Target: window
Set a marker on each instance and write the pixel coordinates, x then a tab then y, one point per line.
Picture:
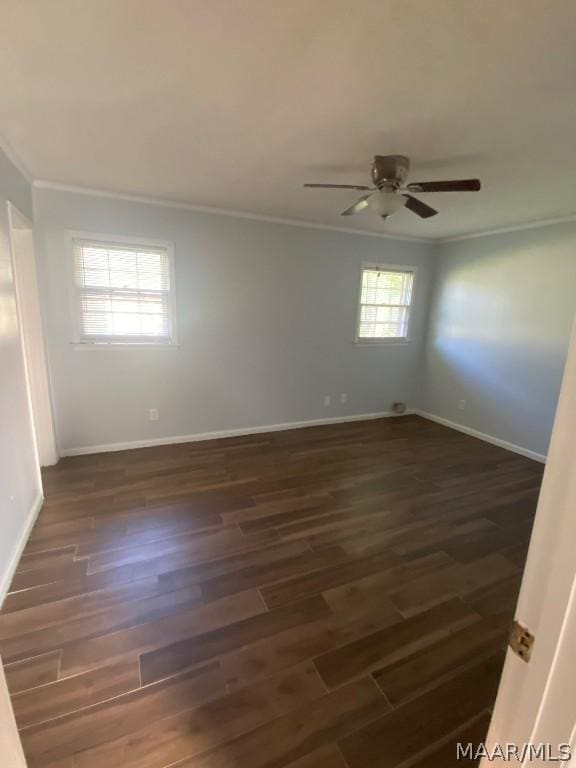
385	300
123	293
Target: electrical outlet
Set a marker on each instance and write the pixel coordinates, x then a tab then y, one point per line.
327	401
153	414
461	405
343	397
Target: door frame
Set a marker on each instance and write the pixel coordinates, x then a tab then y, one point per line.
38	386
536	702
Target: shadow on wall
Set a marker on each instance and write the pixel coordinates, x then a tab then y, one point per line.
498	336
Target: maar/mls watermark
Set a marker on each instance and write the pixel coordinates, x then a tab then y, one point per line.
519	753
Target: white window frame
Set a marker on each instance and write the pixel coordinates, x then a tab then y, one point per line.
364	340
111	239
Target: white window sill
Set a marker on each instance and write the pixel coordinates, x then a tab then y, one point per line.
86	346
381	342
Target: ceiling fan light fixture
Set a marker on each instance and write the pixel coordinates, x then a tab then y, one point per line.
385	203
389	193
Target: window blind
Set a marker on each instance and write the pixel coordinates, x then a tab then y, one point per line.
385	300
122	292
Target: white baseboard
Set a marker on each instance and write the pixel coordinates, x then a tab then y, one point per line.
8	573
216	435
483	436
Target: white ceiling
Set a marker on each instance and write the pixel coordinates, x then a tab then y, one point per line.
234	104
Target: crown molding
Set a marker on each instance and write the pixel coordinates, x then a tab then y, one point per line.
15	160
504	230
57	187
179	205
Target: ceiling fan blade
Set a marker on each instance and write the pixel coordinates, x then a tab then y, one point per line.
358	206
418	207
455	185
360	187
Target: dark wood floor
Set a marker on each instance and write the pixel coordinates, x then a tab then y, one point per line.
321	598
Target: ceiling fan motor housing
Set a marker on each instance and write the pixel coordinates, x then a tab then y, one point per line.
390	170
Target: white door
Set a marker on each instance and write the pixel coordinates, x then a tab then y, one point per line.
536	702
29	316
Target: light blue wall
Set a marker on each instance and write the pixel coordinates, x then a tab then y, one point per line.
499	327
266	322
266	317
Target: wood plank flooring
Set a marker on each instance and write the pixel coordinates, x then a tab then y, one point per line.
332	597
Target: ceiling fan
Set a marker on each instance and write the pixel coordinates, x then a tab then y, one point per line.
389	194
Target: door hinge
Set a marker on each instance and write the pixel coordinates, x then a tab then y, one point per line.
521	641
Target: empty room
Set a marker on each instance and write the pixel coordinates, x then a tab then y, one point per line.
287	385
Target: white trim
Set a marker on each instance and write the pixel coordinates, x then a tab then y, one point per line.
513	228
391	342
366	340
15	212
114	239
8	574
219	434
41	184
16	161
541	457
110	240
57	187
43	392
90	346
